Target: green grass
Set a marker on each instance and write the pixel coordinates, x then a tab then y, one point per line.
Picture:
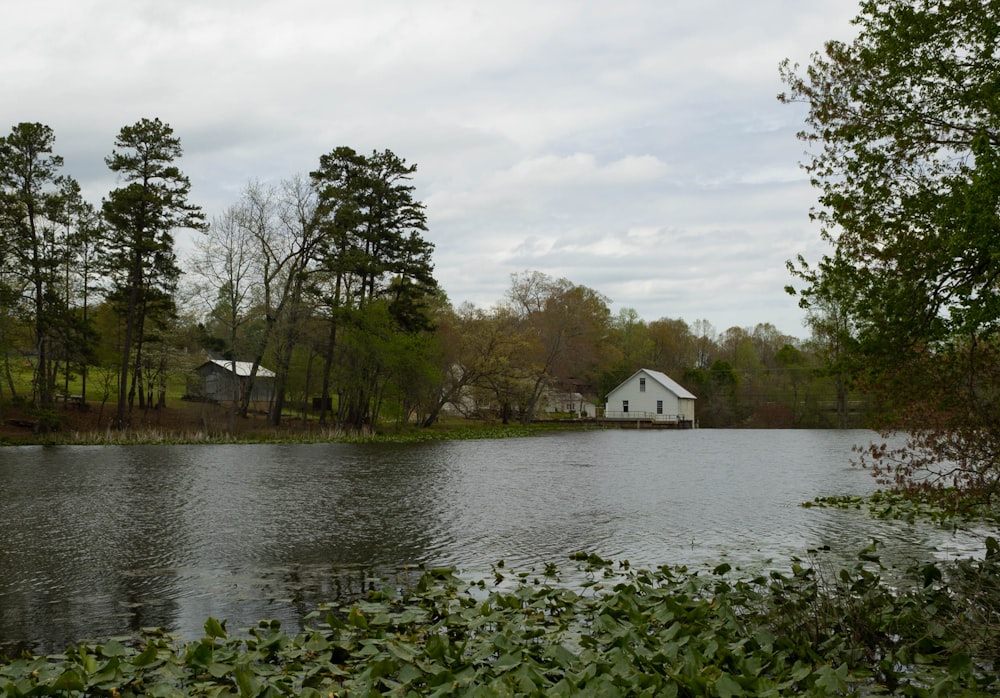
23	376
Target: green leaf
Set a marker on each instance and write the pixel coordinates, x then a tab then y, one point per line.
247	682
833	681
114	649
146	657
69	680
200	654
356	618
960	664
562	656
727	687
219	670
215	630
507	662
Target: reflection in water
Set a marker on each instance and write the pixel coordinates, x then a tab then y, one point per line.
101	541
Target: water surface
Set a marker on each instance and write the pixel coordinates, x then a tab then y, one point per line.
102	541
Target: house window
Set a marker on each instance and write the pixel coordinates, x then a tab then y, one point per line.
659	407
625	406
642	385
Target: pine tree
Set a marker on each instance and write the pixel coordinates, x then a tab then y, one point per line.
139	257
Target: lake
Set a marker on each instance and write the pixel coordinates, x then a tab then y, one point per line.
98	542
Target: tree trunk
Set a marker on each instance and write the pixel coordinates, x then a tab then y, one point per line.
123	398
327	369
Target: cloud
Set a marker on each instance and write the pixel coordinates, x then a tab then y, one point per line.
635	147
583	169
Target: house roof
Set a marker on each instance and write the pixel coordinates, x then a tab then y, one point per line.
664	380
241	368
670	384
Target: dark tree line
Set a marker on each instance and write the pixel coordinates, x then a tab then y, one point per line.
342	251
328	281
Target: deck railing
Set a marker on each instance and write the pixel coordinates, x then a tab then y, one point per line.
646	416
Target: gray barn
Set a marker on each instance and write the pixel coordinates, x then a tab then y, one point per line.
223	380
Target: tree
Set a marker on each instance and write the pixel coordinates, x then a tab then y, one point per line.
474	359
299	232
139	256
563	325
85	232
716	388
628	347
906	129
31	199
674	346
226	266
372	254
269	240
47	236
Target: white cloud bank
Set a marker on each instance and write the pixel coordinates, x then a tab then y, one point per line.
633	146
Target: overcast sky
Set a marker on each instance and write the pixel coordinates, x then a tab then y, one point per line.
632	146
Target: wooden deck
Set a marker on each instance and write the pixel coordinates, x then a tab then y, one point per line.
633	421
646	420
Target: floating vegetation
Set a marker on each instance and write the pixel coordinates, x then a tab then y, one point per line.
929	506
622	632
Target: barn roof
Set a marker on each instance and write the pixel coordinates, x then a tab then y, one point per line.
241	368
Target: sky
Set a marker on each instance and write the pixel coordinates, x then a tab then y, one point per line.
635	147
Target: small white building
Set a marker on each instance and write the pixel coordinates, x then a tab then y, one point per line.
573	403
223	380
651	395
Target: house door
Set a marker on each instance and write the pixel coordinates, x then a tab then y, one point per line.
625	406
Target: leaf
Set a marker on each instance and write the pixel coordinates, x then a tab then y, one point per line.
146	657
832	680
931	573
215	630
218	670
402	651
200	654
727	686
69	680
959	664
562	656
114	649
334	621
356	618
507	662
409	673
246	681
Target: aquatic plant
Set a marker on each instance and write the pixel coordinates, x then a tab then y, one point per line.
668	631
931	505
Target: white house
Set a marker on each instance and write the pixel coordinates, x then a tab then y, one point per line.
223	380
651	395
569	402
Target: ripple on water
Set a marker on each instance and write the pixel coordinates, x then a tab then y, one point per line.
100	541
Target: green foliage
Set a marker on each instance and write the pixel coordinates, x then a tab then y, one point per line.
627	632
930	505
35	247
373	278
138	255
907	165
327	280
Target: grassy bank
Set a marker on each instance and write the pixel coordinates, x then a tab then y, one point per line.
621	632
195	422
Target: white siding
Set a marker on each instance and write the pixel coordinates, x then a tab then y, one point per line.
642	404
